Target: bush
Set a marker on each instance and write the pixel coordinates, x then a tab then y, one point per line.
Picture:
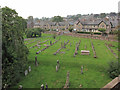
35	32
84	32
113	32
70	29
113	69
97	33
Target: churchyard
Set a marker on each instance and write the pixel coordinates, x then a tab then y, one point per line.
67	49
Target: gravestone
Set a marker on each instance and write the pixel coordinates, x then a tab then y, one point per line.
81	69
61	45
36	63
26	72
20	87
58	64
42	87
46	87
56	68
29	68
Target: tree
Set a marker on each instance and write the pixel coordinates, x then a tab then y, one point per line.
14	52
57	19
102	15
70	29
34	32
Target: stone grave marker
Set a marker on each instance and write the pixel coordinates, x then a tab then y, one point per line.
81	69
56	68
26	72
29	69
36	63
20	87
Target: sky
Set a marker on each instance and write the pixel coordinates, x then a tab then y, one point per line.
50	8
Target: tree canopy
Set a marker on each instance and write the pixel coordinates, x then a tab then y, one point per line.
14	52
57	19
34	32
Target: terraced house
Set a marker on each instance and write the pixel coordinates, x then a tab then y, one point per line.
54	25
94	25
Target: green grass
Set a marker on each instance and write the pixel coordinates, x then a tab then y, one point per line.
95	69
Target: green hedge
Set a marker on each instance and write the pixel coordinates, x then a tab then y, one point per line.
97	33
84	32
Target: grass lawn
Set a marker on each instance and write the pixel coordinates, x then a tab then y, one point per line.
94	72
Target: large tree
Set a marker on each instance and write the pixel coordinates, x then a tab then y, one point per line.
14	52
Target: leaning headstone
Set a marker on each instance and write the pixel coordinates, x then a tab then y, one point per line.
29	69
26	72
36	63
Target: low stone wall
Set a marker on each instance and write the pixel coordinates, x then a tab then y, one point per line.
112	85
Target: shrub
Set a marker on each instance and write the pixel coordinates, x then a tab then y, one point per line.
70	29
35	32
113	69
84	32
97	33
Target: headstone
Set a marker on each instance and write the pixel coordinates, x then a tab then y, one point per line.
61	45
56	68
81	69
57	61
29	68
26	72
20	87
36	63
42	87
46	87
80	86
5	86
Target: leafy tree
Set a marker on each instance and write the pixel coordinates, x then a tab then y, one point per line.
70	29
102	15
34	32
57	19
14	52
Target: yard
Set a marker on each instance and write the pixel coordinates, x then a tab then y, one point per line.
94	69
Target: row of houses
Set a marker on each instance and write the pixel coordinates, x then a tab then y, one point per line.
80	25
